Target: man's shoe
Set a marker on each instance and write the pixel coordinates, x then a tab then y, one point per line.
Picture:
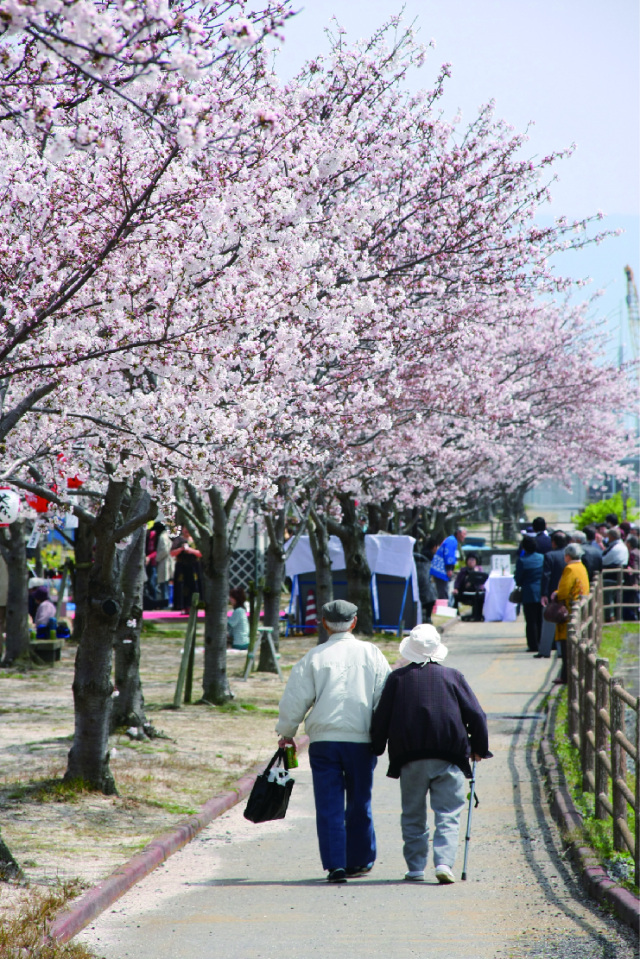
444	875
359	871
337	875
414	876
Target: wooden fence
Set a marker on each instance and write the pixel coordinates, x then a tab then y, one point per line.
597	721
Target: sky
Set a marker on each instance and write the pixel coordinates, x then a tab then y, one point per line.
569	67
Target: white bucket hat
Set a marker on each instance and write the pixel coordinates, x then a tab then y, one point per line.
423	645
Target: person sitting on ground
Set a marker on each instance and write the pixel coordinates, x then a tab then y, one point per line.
238	624
528	576
573	584
434	725
468	588
45	613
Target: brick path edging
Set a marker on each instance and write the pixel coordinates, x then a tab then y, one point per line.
594	877
100	897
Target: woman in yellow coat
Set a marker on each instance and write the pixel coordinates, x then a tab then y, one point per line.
573	584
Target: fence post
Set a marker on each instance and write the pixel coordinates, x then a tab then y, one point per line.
581	651
189	644
637	810
602	702
587	719
599	611
591	612
572	697
618	766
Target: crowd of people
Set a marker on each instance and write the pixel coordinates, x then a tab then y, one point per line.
559	567
552	566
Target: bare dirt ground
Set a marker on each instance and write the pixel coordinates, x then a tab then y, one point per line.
57	835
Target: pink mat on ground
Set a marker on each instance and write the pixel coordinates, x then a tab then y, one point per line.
168	614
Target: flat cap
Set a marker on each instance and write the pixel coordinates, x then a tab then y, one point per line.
339	611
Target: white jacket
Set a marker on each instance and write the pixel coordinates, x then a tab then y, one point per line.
341	682
616	555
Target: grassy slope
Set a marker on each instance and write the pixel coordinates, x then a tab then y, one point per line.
598	833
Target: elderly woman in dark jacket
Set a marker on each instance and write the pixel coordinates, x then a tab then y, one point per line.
528	577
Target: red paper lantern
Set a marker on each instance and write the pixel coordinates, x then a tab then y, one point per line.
38	503
73	482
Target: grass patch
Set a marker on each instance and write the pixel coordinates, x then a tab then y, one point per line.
233	707
21	935
51	790
598	833
613	641
149	628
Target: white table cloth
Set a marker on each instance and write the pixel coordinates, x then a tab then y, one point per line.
497	607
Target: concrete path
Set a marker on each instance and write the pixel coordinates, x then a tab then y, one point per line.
244	891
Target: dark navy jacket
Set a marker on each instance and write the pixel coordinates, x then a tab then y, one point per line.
529	576
552	570
428	711
543	542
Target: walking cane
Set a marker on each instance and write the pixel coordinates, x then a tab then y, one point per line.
468	836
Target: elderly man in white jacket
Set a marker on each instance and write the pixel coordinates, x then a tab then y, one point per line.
339	685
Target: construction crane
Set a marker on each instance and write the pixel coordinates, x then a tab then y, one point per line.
633	312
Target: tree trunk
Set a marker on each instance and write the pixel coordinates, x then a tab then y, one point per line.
14	552
128	705
209	526
351	536
512	512
215	585
373	518
9	868
215	576
319	542
92	688
83	552
273	580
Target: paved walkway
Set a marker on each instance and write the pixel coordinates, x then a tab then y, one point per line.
241	891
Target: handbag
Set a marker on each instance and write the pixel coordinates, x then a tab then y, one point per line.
555	612
515	596
271	791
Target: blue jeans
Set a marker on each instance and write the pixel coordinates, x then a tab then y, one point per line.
345	835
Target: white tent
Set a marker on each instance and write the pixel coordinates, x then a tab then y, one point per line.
386	555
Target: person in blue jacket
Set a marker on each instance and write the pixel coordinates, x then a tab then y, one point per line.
528	577
444	561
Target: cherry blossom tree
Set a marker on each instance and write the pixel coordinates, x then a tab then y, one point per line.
238	286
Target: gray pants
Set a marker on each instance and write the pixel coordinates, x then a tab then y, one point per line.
446	785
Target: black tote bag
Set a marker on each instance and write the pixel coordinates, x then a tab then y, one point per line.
270	797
